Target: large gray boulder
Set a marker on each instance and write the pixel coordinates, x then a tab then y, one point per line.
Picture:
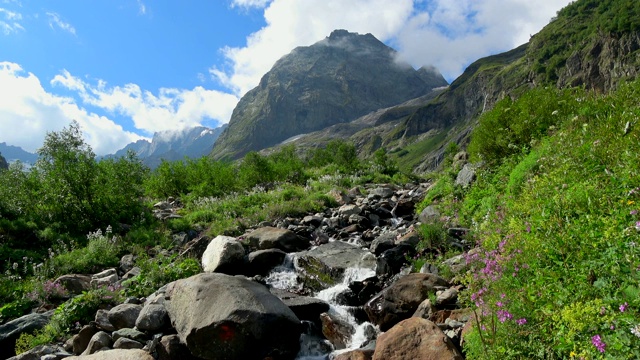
116	354
261	262
400	300
325	265
276	238
11	331
75	283
466	176
223	254
305	307
230	317
152	317
124	315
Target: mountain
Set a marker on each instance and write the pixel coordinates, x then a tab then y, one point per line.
14	153
3	162
173	145
336	80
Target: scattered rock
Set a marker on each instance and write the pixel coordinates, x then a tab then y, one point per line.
75	283
447	297
124	315
98	341
359	354
425	310
349	210
170	348
383	242
126	343
261	262
305	308
337	330
104	278
152	317
429	214
466	176
128	333
11	331
275	238
400	300
116	354
415	338
127	262
81	340
223	254
391	261
102	320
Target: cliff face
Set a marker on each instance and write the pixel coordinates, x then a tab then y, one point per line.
334	81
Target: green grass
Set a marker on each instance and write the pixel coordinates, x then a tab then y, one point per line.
557	223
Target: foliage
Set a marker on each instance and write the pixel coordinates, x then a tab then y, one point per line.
102	251
556	219
158	271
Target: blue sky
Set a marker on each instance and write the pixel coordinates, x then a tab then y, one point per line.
125	69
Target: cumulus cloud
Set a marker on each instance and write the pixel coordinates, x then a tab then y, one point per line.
56	21
446	34
170	109
10	21
24	103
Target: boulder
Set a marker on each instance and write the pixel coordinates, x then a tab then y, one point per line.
124	315
102	320
305	307
115	354
429	214
391	261
261	262
411	238
339	196
170	348
230	317
275	238
126	343
128	333
11	331
359	354
127	262
466	176
75	283
415	338
223	254
104	278
337	330
196	247
98	341
312	220
348	210
447	297
383	242
43	352
382	191
400	300
404	207
425	310
80	341
152	317
324	266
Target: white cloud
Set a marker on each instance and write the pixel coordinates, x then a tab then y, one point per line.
55	20
447	34
9	21
28	112
170	109
142	8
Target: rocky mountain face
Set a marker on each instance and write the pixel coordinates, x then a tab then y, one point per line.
15	153
3	162
174	145
334	81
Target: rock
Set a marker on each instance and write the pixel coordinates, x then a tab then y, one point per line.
127	263
339	196
196	247
98	341
359	354
125	343
124	315
305	308
415	338
11	331
229	317
429	214
42	352
104	278
152	317
382	191
102	320
425	310
391	261
261	262
325	265
75	283
275	238
466	176
171	348
348	210
411	238
337	330
456	264
429	269
116	354
135	271
404	207
128	333
81	340
400	300
447	297
223	254
313	220
383	242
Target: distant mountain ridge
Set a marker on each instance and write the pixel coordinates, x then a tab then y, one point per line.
173	145
333	81
15	153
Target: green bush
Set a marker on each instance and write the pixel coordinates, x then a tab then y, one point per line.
101	252
158	271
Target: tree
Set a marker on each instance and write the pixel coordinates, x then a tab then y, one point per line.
3	163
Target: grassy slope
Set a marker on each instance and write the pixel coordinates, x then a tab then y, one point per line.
558	227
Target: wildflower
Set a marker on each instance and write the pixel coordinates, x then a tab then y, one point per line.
572	354
633	212
596	340
638	225
499	304
504	315
623	307
521	321
603	310
636	330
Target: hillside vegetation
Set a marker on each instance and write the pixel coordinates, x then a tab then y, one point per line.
555	215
